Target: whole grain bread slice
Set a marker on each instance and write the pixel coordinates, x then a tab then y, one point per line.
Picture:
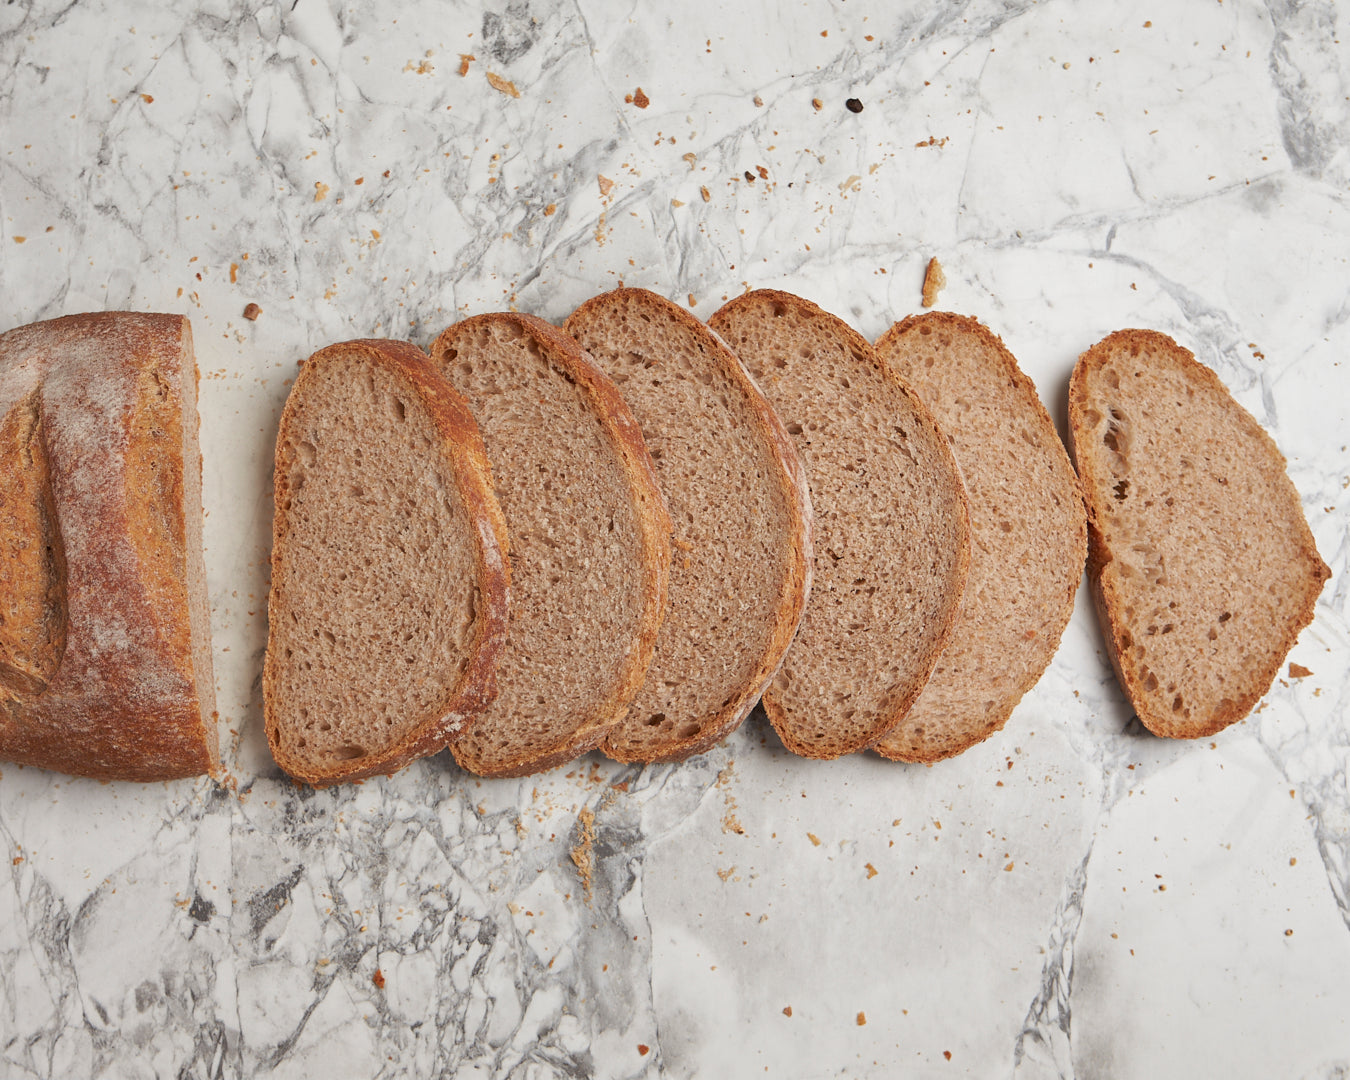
389	583
105	625
589	537
738	499
892	543
1202	565
1028	532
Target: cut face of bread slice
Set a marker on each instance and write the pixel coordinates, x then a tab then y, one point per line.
105	627
892	543
1201	562
1028	532
388	602
589	538
741	513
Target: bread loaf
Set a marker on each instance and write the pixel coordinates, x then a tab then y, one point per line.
388	603
589	540
1200	560
737	496
105	630
892	543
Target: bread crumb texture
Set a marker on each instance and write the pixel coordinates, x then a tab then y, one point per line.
1202	564
1028	529
375	608
891	533
738	579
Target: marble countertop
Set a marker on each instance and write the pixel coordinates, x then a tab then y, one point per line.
1073	898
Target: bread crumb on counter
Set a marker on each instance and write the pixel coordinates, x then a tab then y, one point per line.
504	86
934	281
583	853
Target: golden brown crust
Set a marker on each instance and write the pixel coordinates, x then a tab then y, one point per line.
653	525
1023	387
463	445
1102	576
860	347
796	497
123	704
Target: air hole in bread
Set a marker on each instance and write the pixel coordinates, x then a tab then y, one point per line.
1121	491
1176	703
307	452
400	409
349	752
1223	618
656	719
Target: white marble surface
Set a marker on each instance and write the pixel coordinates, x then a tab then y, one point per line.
1072	898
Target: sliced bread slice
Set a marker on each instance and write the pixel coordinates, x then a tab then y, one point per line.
738	498
892	544
590	540
388	602
1202	565
1028	532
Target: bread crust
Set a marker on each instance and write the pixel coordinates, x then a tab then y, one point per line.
1117	630
861	348
463	445
125	700
1020	385
653	527
796	496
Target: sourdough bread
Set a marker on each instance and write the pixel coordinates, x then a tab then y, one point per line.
737	497
589	540
892	544
105	629
1200	560
388	601
1028	532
